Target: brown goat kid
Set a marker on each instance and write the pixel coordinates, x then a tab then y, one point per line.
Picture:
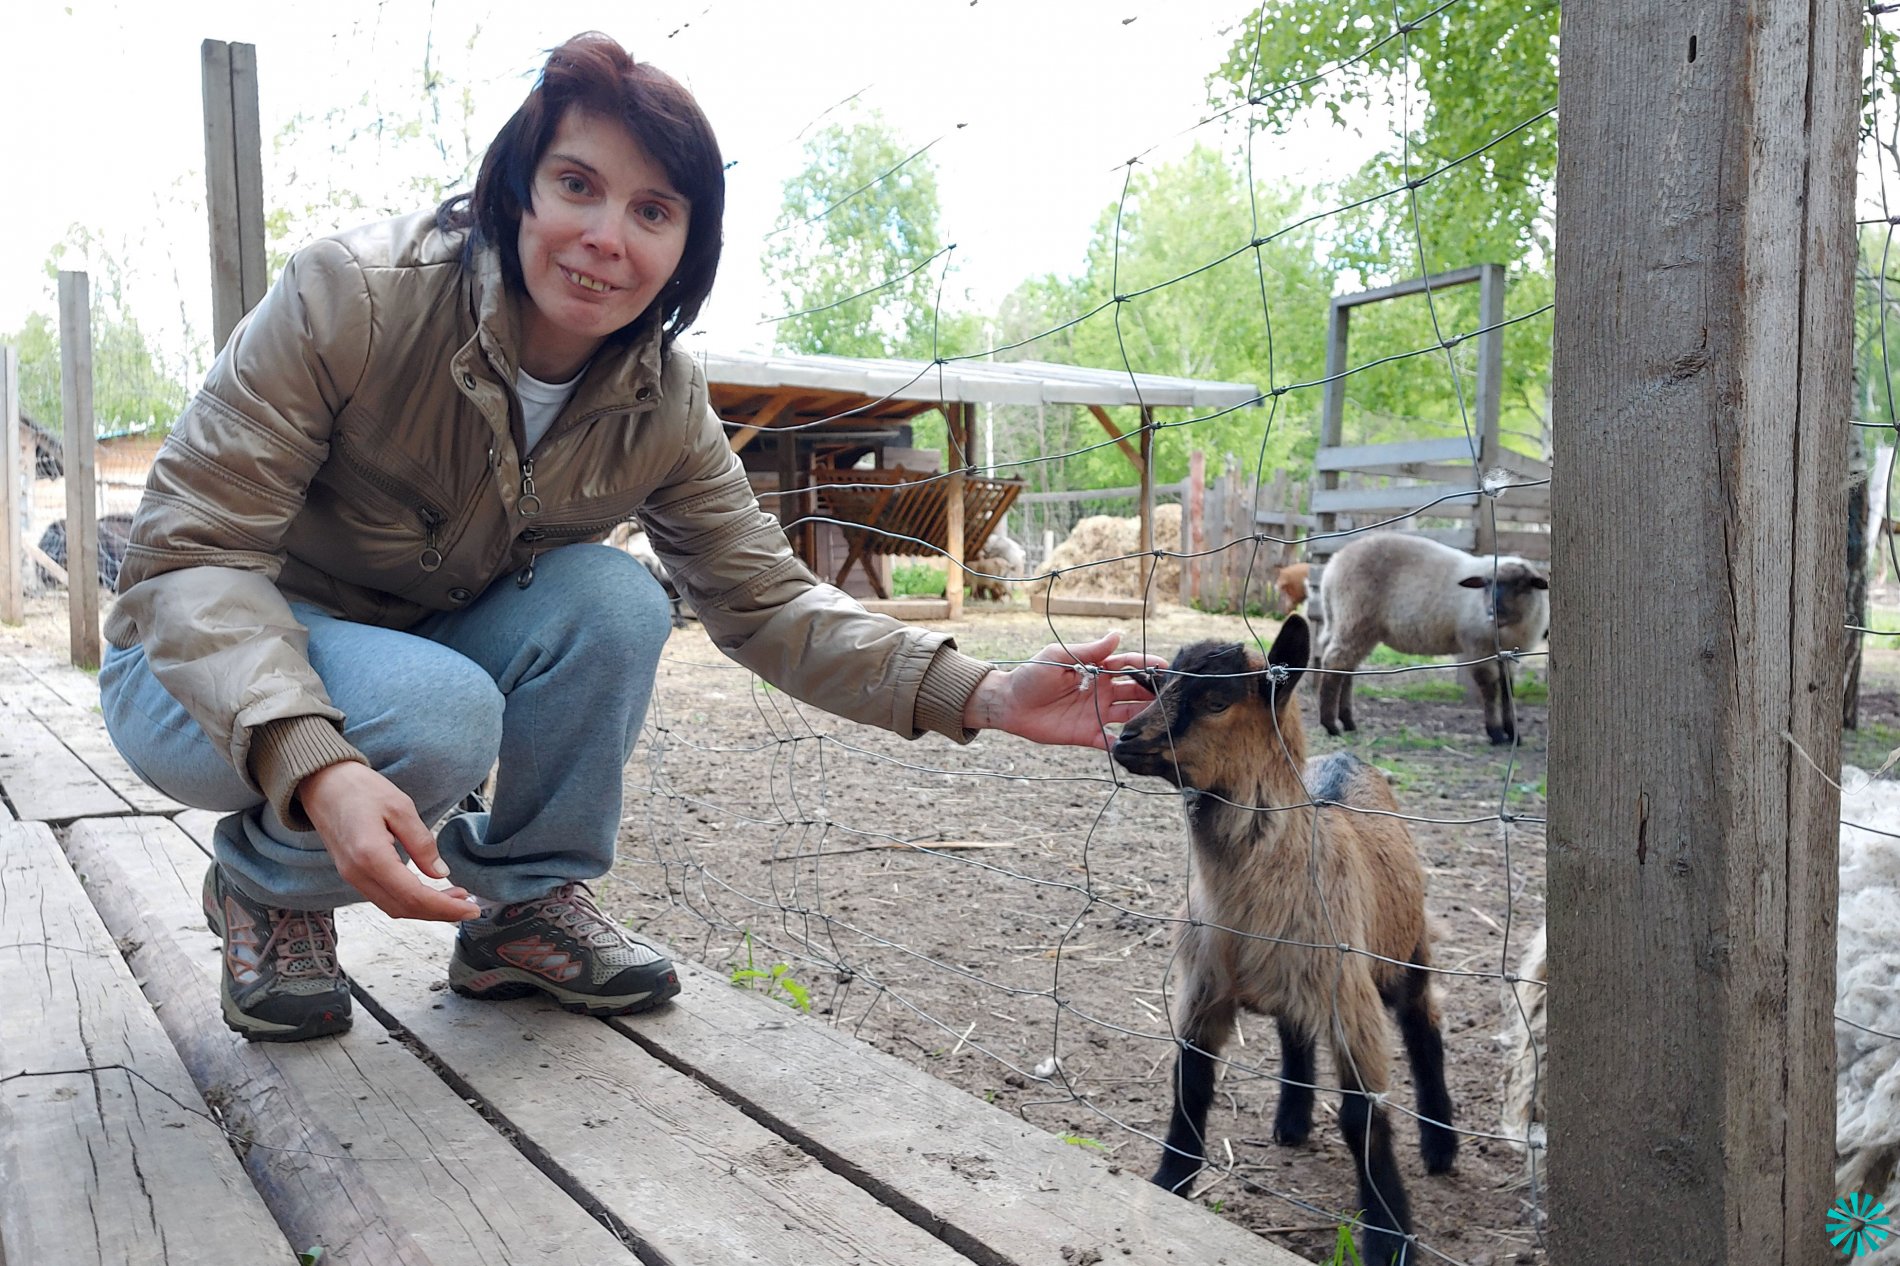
1282	871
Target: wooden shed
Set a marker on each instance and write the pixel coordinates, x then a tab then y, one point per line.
793	417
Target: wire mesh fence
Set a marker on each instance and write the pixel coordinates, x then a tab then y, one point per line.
1035	924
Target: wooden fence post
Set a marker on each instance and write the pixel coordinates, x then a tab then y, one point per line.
82	507
234	182
1193	529
1701	376
12	476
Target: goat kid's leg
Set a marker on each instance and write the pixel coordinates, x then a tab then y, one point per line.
1202	1032
1386	1213
1293	1122
1425	1046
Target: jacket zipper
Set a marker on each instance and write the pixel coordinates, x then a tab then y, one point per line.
432	518
557	532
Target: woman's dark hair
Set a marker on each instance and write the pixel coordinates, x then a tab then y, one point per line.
591	72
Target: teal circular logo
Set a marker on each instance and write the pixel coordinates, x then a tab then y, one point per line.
1858	1224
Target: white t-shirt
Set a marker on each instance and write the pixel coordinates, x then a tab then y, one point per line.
541	403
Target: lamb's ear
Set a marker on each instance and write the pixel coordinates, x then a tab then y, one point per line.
1473	582
1291	650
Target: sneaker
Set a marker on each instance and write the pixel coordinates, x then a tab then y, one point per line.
563	946
281	981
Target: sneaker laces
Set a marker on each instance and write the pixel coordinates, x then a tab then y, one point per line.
306	942
572	906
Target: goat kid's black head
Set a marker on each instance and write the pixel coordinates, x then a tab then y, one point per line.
1210	689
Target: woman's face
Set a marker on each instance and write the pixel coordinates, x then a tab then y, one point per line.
604	236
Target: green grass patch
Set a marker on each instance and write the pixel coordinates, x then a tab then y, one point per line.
1869	746
915	580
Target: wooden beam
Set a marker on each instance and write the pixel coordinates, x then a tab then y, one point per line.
768	415
1108	424
1701	377
1490	388
13	468
82	507
957	459
105	1154
234	182
1145	503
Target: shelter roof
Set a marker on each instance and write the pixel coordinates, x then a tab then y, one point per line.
857	391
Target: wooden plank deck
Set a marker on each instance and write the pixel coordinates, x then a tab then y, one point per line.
721	1129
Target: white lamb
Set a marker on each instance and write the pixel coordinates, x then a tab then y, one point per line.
1423	598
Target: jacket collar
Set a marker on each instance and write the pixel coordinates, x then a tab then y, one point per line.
624	375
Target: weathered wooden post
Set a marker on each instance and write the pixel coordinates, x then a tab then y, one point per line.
1700	383
1489	397
956	460
82	507
13	500
234	183
1194	529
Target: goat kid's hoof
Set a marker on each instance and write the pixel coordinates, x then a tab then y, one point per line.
1175	1178
1438	1149
1291	1133
1501	737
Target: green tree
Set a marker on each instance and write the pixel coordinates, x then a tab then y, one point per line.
1455	84
856	256
1464	96
136	387
1199	299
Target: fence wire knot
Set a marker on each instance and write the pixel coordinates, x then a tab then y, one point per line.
1277	674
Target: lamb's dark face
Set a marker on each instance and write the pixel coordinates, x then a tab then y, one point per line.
1518	592
1216	702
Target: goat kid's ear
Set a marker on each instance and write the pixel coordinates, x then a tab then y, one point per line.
1290	650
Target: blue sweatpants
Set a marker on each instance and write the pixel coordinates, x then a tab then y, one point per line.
552	681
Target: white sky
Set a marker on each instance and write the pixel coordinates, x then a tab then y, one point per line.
102	99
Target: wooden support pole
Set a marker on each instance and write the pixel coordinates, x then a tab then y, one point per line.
1115	433
13	488
234	182
1489	402
1332	426
957	460
1193	528
1701	377
82	507
1145	505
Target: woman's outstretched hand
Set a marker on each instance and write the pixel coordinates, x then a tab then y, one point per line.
361	816
1049	701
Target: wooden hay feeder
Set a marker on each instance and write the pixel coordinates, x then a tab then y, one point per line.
906	514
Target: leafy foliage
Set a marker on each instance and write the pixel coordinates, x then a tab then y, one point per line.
856	253
136	388
1453	84
1197	299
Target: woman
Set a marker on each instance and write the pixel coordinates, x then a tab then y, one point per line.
362	573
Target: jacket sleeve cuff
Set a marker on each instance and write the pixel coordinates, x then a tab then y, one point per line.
288	750
945	691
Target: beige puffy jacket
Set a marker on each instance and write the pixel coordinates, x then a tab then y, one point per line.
357	446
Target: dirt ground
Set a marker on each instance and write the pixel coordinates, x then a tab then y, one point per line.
1035	923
